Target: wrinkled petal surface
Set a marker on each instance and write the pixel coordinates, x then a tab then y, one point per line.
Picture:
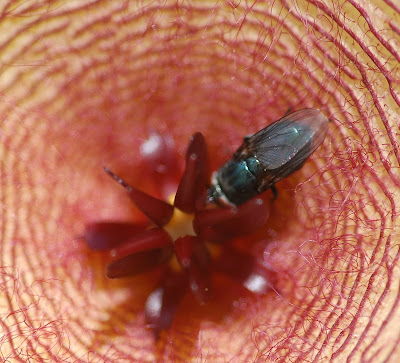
83	82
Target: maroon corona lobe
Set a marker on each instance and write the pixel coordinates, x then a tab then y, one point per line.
136	248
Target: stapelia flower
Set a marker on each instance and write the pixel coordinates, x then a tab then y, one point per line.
84	84
137	249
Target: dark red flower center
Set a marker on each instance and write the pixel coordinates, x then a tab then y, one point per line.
189	239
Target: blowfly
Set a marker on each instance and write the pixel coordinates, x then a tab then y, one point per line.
268	156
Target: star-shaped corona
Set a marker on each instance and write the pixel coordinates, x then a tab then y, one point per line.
189	238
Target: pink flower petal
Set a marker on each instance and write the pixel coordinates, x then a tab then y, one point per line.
195	176
222	224
107	235
147	240
138	263
184	249
163	302
158	211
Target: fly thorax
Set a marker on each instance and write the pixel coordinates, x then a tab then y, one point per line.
237	179
254	166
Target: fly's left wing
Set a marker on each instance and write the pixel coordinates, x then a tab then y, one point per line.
282	147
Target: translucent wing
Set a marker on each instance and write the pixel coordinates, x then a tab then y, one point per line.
284	146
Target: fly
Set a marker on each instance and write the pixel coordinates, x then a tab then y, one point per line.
268	156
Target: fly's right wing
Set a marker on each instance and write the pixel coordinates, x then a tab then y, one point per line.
284	146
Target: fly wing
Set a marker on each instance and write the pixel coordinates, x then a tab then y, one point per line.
284	146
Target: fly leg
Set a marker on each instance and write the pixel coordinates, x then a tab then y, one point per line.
274	191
